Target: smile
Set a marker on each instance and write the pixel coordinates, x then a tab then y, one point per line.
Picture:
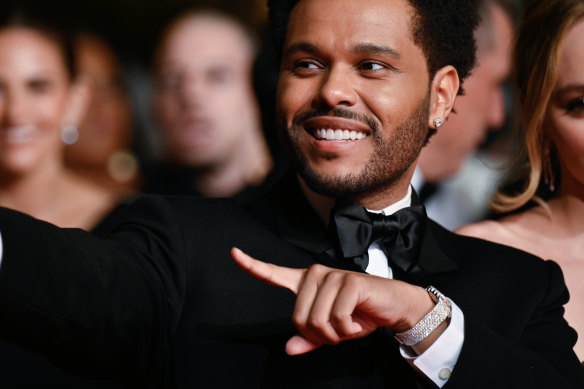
338	135
20	134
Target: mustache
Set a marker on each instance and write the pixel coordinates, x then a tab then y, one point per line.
336	112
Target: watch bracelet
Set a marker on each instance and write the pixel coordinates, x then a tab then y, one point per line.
441	311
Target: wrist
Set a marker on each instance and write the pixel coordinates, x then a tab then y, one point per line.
436	318
420	305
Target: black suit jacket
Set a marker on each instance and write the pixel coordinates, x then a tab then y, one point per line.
160	303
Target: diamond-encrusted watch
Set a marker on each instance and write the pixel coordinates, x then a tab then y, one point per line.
441	311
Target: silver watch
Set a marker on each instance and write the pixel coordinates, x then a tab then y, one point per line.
441	311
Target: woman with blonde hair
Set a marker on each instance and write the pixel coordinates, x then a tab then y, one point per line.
545	190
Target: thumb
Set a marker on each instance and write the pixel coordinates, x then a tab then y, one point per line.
298	344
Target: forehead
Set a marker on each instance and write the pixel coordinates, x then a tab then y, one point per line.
28	50
374	21
200	39
572	56
95	57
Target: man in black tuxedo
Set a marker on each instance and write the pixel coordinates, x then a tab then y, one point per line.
160	303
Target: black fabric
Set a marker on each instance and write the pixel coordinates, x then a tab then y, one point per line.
159	303
21	368
399	235
427	191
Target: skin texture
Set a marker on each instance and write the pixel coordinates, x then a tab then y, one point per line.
358	59
34	89
205	103
107	125
37	97
371	68
480	110
557	232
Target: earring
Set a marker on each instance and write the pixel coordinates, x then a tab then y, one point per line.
437	122
70	134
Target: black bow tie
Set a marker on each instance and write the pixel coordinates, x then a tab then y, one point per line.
353	229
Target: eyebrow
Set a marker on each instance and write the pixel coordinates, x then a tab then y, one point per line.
363	48
569	88
372	48
301	47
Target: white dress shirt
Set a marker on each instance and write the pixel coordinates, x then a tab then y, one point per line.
438	361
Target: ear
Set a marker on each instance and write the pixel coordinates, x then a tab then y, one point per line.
80	94
443	93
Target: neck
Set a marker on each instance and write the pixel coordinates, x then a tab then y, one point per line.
247	167
567	207
32	192
118	173
374	200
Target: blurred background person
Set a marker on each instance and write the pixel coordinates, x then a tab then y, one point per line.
40	101
41	104
102	151
545	187
210	122
481	109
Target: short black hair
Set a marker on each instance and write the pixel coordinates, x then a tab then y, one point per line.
443	29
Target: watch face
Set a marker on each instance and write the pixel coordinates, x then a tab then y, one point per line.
435	294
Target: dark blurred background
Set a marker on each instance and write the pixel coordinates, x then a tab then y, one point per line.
133	26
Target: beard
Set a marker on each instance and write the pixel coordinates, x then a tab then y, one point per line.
390	158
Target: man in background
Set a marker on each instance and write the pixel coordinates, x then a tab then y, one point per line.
210	122
481	109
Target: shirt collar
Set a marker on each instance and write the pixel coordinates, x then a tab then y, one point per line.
405	202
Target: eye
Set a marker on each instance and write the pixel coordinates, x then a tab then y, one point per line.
170	83
39	86
375	69
372	66
219	75
306	67
576	105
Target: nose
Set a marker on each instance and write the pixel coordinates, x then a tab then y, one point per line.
191	93
12	108
337	89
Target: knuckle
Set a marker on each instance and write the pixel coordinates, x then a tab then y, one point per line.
352	280
334	276
316	322
298	322
316	270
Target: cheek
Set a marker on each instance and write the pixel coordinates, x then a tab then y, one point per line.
292	98
386	107
568	136
571	139
51	113
167	108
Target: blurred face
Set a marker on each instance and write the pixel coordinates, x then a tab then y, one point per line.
353	95
106	126
204	97
565	116
34	88
482	107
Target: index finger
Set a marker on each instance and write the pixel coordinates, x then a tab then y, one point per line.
283	277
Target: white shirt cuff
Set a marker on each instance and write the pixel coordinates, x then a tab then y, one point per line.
438	361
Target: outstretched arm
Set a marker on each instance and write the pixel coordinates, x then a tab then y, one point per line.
335	305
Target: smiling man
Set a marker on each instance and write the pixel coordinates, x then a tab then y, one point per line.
381	295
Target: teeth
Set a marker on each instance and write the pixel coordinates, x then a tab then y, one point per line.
338	135
20	134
